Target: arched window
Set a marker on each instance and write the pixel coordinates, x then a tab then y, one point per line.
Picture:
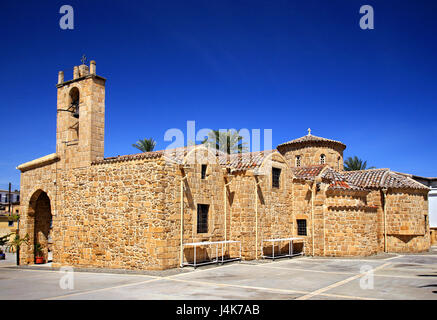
73	107
322	159
74	101
298	158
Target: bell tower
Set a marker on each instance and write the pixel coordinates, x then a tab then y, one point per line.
80	122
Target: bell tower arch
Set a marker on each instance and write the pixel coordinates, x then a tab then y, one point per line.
80	117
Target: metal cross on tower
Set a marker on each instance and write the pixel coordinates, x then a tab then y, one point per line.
83	59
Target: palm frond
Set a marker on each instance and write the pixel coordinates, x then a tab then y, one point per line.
228	141
355	163
145	145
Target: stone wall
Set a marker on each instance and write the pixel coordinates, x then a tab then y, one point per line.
350	232
433	235
208	191
350	224
113	215
126	214
407	221
108	215
301	207
274	205
81	141
33	183
406	212
375	199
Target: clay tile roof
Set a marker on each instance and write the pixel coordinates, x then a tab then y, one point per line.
245	161
136	156
338	180
381	178
395	180
308	172
310	139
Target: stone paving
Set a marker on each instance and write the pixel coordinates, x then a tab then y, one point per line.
412	276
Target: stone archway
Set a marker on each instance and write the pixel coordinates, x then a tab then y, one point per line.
40	225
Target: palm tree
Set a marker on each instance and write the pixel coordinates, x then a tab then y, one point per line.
16	243
228	141
355	163
145	145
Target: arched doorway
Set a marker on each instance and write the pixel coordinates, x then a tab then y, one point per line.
40	225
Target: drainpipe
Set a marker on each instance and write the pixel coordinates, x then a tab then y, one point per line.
182	222
256	219
312	214
324	230
226	211
384	194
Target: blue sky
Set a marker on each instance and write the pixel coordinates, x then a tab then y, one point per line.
280	65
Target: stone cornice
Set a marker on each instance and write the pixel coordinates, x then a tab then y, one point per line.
60	85
40	162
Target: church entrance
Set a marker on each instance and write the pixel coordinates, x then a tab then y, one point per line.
40	227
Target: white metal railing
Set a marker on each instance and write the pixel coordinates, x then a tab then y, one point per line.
216	259
290	248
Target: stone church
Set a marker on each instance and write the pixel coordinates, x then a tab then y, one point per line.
137	211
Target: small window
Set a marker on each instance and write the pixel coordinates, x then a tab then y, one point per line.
202	218
204	166
322	159
301	227
338	163
297	161
276	175
10	223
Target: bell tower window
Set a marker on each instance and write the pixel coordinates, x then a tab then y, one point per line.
322	159
74	104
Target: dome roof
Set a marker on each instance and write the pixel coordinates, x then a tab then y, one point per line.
309	138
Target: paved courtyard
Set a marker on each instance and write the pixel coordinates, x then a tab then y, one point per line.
394	277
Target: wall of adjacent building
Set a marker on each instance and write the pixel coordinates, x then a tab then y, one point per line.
432	198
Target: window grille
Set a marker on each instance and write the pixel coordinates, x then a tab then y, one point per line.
301	227
276	174
202	218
